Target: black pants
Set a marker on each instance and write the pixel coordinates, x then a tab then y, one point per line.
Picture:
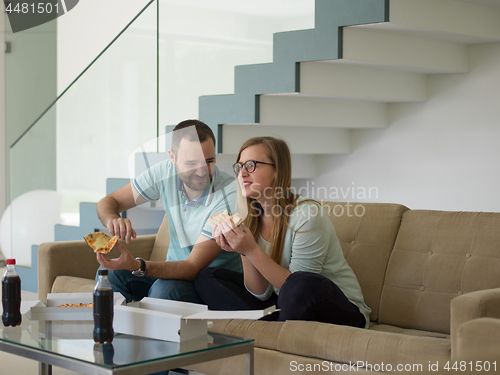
303	296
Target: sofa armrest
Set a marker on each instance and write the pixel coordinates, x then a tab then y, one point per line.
75	258
478	339
478	304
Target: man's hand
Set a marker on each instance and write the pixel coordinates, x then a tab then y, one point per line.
122	228
109	208
125	262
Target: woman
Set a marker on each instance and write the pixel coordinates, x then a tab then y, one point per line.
289	250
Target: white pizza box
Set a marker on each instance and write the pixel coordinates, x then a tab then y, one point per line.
48	310
64	329
239	314
172	320
160	319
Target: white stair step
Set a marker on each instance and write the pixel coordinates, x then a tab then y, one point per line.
450	20
366	46
301	140
303	165
337	79
321	112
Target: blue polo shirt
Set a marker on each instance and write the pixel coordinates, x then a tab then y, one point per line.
187	220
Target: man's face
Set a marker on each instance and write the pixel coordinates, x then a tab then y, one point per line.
195	162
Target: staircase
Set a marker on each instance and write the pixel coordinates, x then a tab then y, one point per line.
340	76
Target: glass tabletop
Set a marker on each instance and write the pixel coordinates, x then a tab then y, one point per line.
73	339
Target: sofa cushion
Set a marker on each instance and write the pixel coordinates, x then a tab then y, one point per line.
346	344
343	344
409	332
437	257
264	333
162	242
367	232
266	362
71	284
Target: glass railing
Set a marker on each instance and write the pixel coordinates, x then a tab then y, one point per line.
150	75
64	157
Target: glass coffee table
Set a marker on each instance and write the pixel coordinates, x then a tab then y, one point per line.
70	345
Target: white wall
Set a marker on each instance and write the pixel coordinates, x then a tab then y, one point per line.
442	154
86	30
2	118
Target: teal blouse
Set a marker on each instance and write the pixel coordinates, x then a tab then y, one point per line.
312	246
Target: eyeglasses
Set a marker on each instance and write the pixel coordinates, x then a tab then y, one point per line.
249	166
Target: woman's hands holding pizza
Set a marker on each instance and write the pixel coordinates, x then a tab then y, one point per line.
234	239
125	261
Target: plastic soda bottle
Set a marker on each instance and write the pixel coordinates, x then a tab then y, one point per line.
11	295
103	309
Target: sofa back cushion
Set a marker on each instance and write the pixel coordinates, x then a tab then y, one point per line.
437	256
367	232
162	242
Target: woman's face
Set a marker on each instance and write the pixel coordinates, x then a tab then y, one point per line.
257	185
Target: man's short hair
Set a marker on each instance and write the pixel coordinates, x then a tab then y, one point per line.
185	129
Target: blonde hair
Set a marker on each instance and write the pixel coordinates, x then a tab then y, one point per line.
279	154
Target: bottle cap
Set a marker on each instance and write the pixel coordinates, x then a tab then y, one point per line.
10	261
103	272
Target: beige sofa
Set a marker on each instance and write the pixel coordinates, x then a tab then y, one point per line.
431	278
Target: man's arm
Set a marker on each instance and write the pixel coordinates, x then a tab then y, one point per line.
109	208
203	253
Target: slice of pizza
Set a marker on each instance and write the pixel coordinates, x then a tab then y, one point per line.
222	216
101	242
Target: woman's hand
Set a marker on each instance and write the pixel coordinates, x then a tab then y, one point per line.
258	268
125	262
231	238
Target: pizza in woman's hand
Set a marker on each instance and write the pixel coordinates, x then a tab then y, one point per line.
222	216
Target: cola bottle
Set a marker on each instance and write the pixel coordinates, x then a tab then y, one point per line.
103	309
11	295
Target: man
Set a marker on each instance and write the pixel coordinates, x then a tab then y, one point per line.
191	189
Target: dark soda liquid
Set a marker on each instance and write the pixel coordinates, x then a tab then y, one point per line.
11	301
103	315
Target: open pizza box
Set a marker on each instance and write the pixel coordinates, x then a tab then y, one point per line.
48	310
172	320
